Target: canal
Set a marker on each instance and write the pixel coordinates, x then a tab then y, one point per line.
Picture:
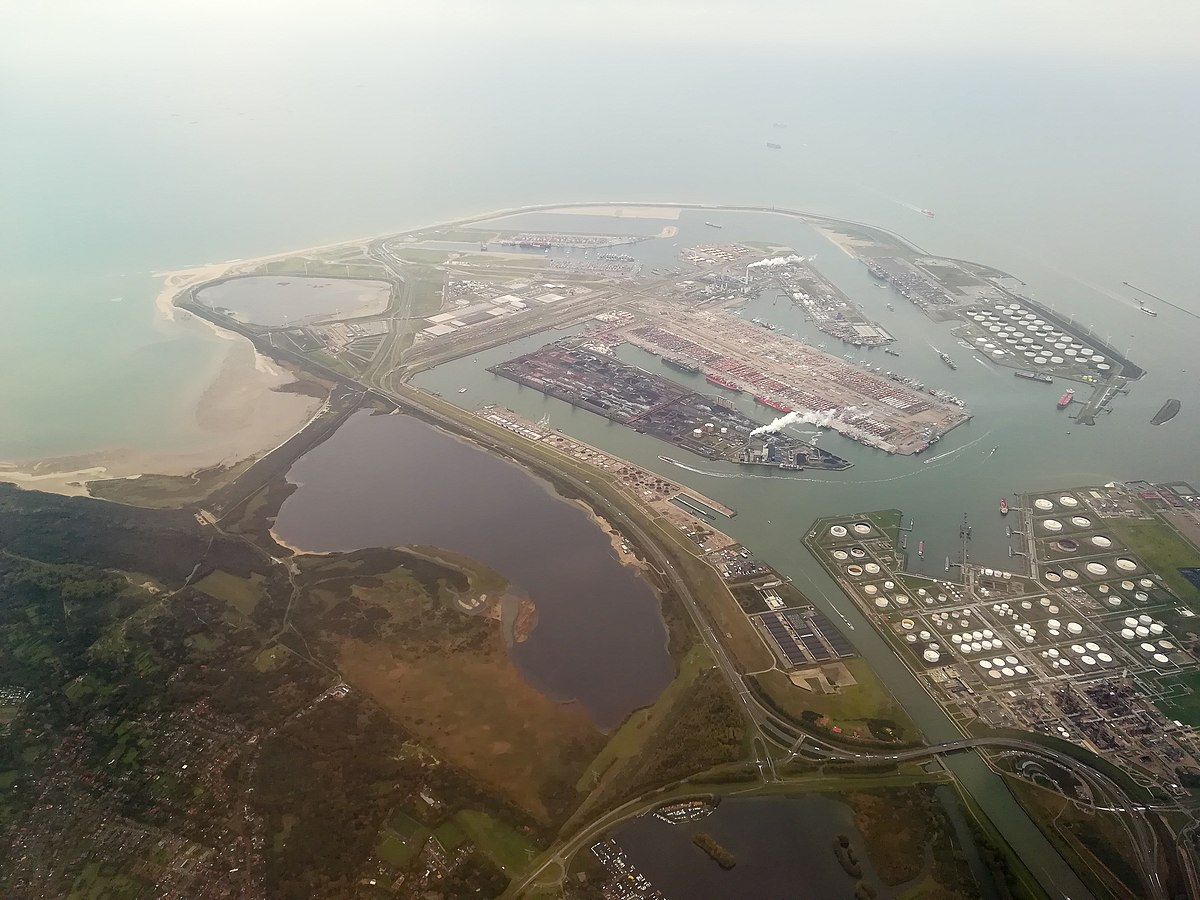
1016	441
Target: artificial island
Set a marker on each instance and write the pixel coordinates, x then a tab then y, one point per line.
410	682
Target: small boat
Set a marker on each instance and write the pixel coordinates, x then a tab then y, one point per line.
927	212
462	390
1004	506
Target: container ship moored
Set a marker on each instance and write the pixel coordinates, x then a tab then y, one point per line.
722	383
680	366
771	403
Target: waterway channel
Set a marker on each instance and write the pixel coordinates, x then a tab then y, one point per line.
1016	441
783	848
390	480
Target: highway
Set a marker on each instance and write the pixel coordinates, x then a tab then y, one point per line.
768	727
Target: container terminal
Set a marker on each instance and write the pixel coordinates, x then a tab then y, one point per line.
480	285
654	405
789	375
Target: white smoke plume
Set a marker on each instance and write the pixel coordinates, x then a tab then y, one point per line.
822	420
775	261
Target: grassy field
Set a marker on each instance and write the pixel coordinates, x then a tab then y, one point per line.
740	637
850	708
270	659
449	835
447	676
1163	550
400	840
167	491
302	265
1094	843
508	849
888	521
243	594
1186	705
631	736
98	882
427	288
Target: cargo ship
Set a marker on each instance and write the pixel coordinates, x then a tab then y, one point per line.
1004	506
771	403
948	360
1065	400
680	366
721	382
668	459
712	224
1148	311
890	352
921	549
1034	376
771	146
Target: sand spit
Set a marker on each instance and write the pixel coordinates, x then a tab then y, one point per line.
624	212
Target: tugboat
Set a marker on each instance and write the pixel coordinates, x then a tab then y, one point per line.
1004	506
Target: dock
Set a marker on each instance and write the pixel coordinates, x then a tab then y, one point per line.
657	486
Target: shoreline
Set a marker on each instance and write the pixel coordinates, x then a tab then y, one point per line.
249	387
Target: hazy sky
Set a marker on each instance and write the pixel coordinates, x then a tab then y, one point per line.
65	33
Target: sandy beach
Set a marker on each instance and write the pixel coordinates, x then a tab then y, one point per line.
241	412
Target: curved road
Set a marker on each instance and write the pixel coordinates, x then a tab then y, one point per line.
768	725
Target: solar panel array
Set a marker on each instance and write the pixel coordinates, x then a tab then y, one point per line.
792	651
805	637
